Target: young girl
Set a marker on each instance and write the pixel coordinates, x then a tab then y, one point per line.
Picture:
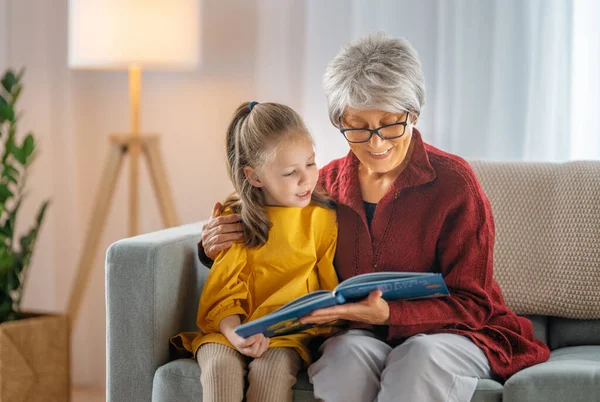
290	235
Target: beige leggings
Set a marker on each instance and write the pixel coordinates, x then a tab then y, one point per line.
223	370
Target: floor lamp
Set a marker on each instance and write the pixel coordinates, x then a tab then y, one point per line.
132	35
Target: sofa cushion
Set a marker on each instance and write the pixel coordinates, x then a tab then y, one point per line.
179	380
572	374
540	327
566	332
487	391
547	249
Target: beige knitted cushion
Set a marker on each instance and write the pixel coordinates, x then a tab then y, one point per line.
547	252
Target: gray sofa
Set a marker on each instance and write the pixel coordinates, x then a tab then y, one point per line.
547	259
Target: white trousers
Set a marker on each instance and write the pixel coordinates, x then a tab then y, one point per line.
356	366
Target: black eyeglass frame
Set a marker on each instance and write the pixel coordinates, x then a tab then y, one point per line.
375	131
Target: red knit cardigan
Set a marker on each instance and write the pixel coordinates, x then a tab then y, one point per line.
434	218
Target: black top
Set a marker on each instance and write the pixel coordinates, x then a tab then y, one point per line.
369	211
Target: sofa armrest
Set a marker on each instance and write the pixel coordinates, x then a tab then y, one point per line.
150	282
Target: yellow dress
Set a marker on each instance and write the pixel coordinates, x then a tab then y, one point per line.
252	282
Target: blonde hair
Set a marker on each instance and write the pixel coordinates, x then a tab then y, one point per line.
253	136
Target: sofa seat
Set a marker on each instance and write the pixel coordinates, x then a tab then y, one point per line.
179	380
572	374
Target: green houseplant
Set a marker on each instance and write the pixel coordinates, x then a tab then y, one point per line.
15	252
34	348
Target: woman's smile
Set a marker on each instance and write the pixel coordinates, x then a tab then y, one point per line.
381	155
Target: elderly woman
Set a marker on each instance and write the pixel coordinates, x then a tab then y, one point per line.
403	205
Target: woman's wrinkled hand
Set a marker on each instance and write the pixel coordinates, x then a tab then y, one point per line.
220	232
372	310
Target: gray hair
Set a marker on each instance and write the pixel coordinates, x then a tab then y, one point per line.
375	72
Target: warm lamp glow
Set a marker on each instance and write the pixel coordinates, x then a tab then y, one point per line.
134	35
150	34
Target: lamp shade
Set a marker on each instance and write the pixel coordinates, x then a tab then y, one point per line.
118	34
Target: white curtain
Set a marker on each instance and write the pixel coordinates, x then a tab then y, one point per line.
585	82
498	74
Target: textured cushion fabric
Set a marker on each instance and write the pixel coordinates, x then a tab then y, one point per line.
566	332
150	282
572	374
540	327
179	380
487	391
547	251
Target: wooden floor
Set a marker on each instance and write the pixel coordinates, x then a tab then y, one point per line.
87	395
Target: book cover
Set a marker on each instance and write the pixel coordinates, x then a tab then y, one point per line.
393	285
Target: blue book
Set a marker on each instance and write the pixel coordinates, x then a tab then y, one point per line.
393	285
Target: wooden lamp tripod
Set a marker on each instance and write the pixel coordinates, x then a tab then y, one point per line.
129	34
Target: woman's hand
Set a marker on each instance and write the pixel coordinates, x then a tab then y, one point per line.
253	346
220	232
372	310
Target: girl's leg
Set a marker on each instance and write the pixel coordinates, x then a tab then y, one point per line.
436	368
222	373
349	368
273	375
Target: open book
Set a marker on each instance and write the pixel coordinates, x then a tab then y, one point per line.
393	285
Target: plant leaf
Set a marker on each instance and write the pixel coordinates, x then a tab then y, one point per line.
5	193
12	216
10	169
9	177
6	113
6	305
28	239
17	264
28	146
16	92
42	212
13	280
9	81
11	173
5	231
16	152
6	261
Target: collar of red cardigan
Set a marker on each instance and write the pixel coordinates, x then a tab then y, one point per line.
418	172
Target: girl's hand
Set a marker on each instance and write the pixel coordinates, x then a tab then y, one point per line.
253	346
372	310
220	232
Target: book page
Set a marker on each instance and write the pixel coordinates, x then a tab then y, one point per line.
379	276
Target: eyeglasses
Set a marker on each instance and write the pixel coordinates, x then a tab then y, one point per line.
387	132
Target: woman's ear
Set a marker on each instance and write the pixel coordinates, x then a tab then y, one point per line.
252	177
414	118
